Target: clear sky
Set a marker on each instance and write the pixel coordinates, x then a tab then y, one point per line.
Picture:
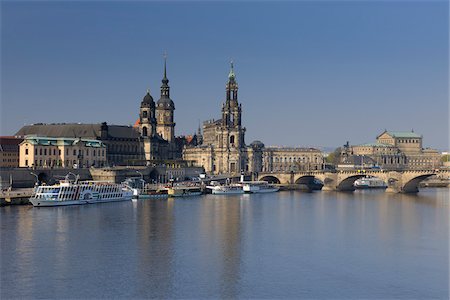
310	73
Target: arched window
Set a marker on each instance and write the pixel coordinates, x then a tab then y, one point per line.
232	139
144	131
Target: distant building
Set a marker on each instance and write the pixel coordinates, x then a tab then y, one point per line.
397	150
221	149
152	138
61	152
284	159
123	143
9	151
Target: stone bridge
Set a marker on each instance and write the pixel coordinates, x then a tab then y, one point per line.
405	181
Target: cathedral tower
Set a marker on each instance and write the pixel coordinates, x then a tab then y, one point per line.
231	112
147	120
164	111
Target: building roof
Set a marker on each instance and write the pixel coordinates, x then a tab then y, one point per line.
148	100
165	102
9	143
76	130
401	134
291	149
375	145
52	141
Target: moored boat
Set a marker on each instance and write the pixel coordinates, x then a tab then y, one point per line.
226	189
369	183
77	193
149	193
184	191
258	187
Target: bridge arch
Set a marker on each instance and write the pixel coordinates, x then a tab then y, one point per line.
347	183
270	179
412	186
309	182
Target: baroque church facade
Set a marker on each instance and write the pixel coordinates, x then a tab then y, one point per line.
221	148
156	125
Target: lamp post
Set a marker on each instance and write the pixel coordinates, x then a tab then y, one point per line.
37	179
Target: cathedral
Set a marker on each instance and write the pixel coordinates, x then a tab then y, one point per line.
156	125
221	148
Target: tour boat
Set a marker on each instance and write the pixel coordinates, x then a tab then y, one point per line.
258	187
76	193
369	182
226	189
184	191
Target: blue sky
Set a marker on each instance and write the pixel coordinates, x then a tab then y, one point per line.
311	73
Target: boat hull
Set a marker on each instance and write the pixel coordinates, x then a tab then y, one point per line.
262	191
236	192
48	203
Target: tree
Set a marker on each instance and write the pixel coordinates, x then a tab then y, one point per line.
334	157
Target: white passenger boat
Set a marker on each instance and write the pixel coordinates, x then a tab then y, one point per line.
226	189
369	183
258	187
76	193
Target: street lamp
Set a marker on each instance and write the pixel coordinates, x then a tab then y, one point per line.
37	179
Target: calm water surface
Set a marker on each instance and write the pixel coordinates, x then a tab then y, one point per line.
284	245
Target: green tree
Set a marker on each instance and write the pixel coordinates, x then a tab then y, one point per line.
334	157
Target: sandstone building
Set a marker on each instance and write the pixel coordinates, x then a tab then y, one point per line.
151	139
61	152
397	150
9	151
221	149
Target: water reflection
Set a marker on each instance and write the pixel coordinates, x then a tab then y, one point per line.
366	244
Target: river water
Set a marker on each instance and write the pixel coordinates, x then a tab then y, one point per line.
366	244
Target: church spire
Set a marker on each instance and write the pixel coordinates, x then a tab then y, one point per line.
231	75
165	90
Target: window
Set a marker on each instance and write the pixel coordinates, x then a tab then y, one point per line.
26	162
74	152
26	151
144	131
232	139
144	114
59	151
40	151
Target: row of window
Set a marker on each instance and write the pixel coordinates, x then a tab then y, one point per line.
302	159
10	159
4	153
59	163
409	141
43	151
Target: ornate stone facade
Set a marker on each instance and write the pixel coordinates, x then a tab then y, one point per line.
221	149
61	152
156	125
398	150
286	159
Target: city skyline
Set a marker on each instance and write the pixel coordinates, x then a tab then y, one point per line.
318	73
